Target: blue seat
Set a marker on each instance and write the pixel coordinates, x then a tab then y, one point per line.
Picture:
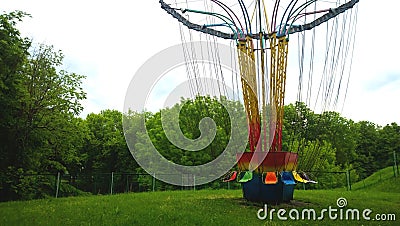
287	178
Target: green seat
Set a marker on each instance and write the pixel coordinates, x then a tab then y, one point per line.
245	176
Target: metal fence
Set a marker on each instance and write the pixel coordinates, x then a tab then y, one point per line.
329	179
62	185
114	183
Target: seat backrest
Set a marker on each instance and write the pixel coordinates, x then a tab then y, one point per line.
245	176
298	178
230	177
305	177
287	178
270	178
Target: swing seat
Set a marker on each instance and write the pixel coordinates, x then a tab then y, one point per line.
270	178
298	178
245	176
230	177
287	178
305	177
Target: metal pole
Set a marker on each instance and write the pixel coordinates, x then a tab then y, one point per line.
154	181
94	182
348	180
396	169
58	184
397	166
194	182
127	183
112	182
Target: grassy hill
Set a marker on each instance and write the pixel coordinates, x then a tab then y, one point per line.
383	181
204	207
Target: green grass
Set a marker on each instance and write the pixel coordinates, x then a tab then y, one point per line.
204	207
382	180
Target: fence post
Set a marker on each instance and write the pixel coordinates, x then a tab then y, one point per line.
127	183
154	181
348	180
112	182
395	166
182	181
94	185
58	184
194	182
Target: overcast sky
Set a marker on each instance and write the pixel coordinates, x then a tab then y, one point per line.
109	40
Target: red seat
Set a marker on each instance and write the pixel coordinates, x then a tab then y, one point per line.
270	178
230	177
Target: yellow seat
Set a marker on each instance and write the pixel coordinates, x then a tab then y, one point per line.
298	178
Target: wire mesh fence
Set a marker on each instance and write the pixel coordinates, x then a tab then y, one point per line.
63	185
114	183
327	180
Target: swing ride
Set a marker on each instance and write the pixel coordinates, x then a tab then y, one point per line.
260	30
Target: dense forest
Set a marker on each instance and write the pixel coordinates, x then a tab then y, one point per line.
41	131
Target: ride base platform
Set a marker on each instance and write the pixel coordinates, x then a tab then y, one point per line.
261	189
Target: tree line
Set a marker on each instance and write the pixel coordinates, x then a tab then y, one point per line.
41	131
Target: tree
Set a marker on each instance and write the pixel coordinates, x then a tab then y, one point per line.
106	148
341	134
51	102
189	114
300	125
388	142
39	104
367	139
13	56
